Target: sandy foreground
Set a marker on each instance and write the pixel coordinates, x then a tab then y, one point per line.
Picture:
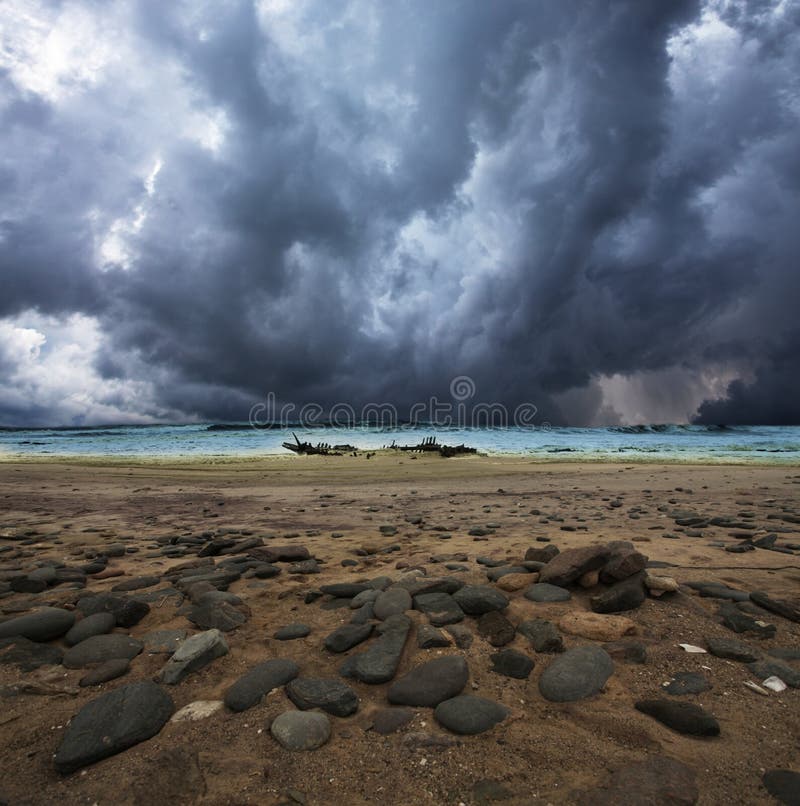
543	752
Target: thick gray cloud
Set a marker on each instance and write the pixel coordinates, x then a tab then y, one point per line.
345	201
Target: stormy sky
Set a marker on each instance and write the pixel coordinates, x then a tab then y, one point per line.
591	206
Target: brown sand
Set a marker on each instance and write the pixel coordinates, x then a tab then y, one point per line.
544	753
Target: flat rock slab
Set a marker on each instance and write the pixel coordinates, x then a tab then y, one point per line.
468	715
392	602
29	655
440	608
390	720
778	606
596	626
545	592
44	624
218	615
683	717
571	564
332	696
688	683
431	683
163	642
344	590
626	595
763	669
428	637
100	648
127	611
291	632
253	685
109	670
542	634
475	600
511	663
379	663
113	723
192	655
197	710
783	785
137	583
578	673
496	628
347	636
659	781
627	651
301	730
96	624
731	649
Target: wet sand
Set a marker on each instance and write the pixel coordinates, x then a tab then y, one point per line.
544	752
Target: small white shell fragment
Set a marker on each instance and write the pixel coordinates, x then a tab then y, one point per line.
755	687
774	684
697	650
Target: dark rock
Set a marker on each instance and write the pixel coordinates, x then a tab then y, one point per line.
418	587
778	606
344	590
783	785
192	655
364	613
683	717
96	624
688	683
27	654
496	628
100	648
26	584
627	651
127	611
391	602
545	592
217	615
731	649
379	663
511	663
332	696
390	720
468	715
734	619
785	652
291	632
541	555
658	781
136	583
623	563
543	635
578	673
253	685
347	636
440	608
461	635
431	682
429	637
571	564
108	670
163	642
301	730
305	567
763	669
281	554
44	624
626	595
113	723
476	600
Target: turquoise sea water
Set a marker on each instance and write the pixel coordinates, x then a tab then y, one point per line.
672	443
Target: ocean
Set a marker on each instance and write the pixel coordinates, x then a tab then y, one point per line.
656	443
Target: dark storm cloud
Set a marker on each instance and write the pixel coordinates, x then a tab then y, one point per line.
356	203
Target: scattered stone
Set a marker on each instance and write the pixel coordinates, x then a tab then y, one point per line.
626	595
100	648
210	614
28	655
468	715
589	579
511	663
428	637
731	649
112	723
44	624
256	683
516	582
440	608
578	673
390	720
192	655
96	624
475	600
688	683
541	555
596	626
734	619
136	583
108	670
379	663
392	602
333	696
571	564
658	585
292	631
431	682
496	628
778	606
461	635
162	642
545	592
763	669
627	651
624	563
127	611
301	730
344	590
683	717
783	785
542	634
347	636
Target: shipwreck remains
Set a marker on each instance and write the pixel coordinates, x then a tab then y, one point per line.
320	449
430	444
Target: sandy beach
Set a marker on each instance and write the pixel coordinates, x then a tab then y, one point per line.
361	519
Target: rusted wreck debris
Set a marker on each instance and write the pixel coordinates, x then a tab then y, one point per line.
320	449
430	444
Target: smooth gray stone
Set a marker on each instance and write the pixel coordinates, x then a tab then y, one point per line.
511	663
96	624
347	636
364	597
390	720
731	649
440	608
100	648
333	696
192	655
113	723
379	663
253	685
626	595
783	785
163	642
218	615
469	715
108	670
578	673
137	583
301	730
688	683
44	624
475	600
344	590
430	683
27	654
543	635
127	610
290	632
544	592
392	602
683	717
428	637
763	669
